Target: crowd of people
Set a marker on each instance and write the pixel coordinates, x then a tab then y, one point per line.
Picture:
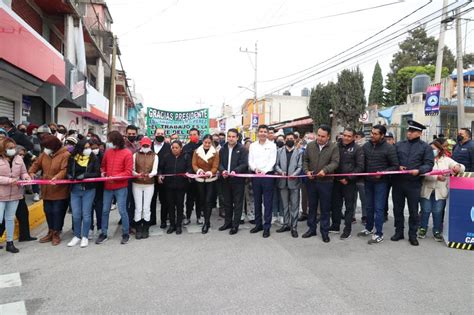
227	172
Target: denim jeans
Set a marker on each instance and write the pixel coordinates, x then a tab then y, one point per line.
54	210
81	205
375	194
432	206
9	208
121	197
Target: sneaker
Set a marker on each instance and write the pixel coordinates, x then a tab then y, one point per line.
36	197
274	219
75	240
125	239
102	238
84	242
333	229
365	232
376	239
421	233
200	221
345	235
438	237
187	222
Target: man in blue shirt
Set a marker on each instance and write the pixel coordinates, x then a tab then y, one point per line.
463	152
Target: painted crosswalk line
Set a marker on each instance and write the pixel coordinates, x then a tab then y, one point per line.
10	280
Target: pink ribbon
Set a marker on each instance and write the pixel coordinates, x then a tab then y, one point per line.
193	176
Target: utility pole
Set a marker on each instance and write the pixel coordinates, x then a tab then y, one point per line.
439	55
460	75
439	63
254	107
112	84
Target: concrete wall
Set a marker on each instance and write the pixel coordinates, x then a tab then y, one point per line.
282	107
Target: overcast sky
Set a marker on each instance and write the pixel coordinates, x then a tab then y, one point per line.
176	73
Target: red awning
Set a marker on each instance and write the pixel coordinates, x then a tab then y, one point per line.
90	115
297	123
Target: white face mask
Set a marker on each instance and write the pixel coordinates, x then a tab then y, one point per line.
11	152
95	151
87	152
146	150
110	145
47	151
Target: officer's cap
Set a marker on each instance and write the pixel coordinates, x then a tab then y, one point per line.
414	125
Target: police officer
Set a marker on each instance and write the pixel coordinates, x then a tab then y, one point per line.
416	156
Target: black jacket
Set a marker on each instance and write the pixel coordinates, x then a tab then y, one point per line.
176	165
165	150
380	157
92	171
239	161
351	159
414	155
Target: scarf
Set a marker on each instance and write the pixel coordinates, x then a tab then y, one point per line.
82	160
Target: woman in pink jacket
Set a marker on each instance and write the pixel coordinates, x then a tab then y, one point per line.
12	169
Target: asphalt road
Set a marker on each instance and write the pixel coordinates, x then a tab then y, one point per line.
219	273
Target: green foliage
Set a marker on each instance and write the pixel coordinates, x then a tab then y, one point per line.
468	60
376	88
322	99
401	82
350	97
416	50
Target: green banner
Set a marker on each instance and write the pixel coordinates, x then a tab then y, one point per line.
177	122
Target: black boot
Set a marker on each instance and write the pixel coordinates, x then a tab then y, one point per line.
11	248
146	229
139	229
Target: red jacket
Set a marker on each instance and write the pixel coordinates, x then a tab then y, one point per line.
117	162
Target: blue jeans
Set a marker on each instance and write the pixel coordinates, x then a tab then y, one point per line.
9	208
55	211
319	192
121	197
263	187
375	194
432	206
81	205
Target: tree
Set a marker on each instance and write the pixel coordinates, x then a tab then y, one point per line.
322	99
376	88
416	50
401	83
351	100
468	60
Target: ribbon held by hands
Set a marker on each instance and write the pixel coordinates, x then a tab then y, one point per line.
232	174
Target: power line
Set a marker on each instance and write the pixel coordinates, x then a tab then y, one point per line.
355	56
273	25
161	12
350	48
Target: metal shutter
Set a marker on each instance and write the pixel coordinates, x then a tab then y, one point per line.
7	108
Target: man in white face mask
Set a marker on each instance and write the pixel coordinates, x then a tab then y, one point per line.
145	166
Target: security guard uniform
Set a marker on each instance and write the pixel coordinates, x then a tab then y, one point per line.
413	154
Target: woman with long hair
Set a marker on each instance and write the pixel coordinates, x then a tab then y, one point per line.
175	163
434	192
82	164
206	163
12	169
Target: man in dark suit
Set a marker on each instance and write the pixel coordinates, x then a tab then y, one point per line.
161	148
233	159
